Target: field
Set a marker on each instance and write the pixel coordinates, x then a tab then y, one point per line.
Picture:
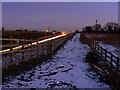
108	38
24	34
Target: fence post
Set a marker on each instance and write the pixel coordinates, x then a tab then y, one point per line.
42	48
47	47
51	47
101	51
118	63
98	49
11	55
105	54
95	47
11	42
31	48
29	52
111	59
37	49
23	50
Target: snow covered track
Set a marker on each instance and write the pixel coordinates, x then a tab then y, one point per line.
66	69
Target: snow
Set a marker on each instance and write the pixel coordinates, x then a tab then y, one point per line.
67	69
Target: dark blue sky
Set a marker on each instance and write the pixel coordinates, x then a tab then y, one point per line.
57	16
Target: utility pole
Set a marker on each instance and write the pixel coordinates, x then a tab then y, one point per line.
96	21
96	25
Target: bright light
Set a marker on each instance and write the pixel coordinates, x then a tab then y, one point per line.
51	38
63	33
4	50
35	43
17	47
46	30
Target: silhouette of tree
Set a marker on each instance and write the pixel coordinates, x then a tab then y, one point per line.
110	28
88	28
3	29
25	30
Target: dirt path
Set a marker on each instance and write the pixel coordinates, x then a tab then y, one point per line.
66	69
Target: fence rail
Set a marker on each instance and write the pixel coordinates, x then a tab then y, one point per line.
33	51
113	60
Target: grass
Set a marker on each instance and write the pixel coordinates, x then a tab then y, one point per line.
109	38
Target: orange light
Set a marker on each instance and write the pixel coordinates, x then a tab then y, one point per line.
63	33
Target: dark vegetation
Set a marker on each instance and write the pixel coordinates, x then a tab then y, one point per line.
25	34
101	30
103	70
110	27
29	35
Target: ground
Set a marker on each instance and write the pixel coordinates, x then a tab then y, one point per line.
66	69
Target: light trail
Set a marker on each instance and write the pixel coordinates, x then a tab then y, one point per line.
16	39
34	43
51	38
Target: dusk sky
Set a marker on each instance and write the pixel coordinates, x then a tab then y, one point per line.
57	16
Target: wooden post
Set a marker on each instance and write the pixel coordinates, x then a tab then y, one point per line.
47	47
95	47
37	49
42	48
11	55
105	55
51	47
101	51
98	49
31	48
29	52
23	50
111	59
11	42
118	65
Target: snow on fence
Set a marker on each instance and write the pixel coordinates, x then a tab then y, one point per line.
113	60
46	47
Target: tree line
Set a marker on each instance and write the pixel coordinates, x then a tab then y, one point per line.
109	27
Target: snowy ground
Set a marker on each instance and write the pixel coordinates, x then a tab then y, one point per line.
114	49
66	69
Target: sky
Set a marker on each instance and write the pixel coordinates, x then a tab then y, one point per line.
62	16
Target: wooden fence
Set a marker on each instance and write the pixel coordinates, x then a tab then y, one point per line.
113	60
33	51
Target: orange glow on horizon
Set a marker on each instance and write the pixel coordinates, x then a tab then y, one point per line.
63	33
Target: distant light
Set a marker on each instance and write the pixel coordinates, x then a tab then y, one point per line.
63	33
46	30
